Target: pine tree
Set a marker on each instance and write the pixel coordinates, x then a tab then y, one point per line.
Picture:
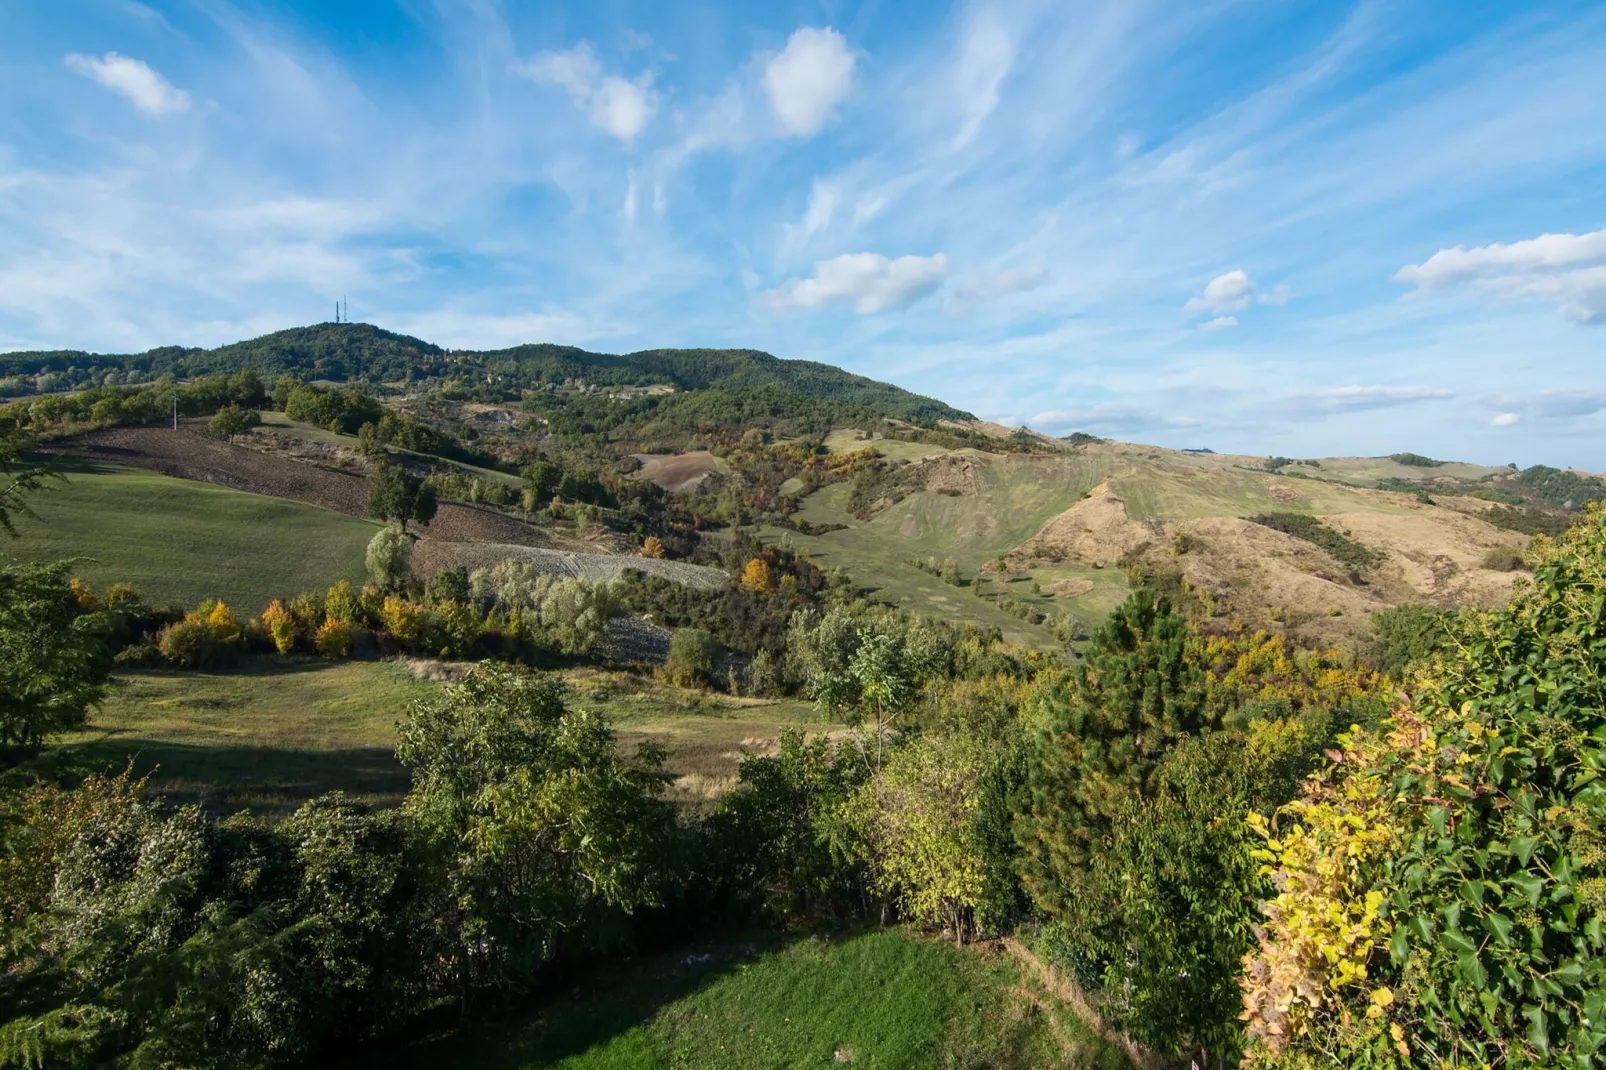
1106	727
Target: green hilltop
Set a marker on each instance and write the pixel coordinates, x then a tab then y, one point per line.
360	352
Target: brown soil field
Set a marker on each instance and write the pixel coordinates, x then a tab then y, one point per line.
188	454
678	471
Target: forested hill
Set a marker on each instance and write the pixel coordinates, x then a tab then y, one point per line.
360	352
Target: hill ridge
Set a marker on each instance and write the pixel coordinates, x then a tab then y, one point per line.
363	352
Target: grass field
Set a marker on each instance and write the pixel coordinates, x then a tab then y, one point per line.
267	735
180	541
270	733
882	999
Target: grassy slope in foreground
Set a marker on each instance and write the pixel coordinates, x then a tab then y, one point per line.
180	541
884	999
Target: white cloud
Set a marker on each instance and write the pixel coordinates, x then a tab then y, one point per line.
1014	280
1111	418
986	59
146	89
1568	270
1365	398
868	281
808	79
1277	295
616	106
1229	292
1548	406
1220	323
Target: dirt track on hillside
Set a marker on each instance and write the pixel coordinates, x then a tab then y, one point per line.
187	454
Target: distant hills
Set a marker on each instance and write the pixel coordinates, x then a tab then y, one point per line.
360	352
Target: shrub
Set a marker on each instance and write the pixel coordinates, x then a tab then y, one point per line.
1501	560
917	820
333	639
780	838
281	626
307	610
455	630
1526	520
1442	886
403	620
1343	549
221	620
652	546
190	642
1407	633
343	603
1415	460
450	585
691	657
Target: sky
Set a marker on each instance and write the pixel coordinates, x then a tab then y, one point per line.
1261	226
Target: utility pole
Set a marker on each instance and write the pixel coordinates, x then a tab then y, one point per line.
175	412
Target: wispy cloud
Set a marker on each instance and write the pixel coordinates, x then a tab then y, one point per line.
1364	398
969	294
132	79
1087	171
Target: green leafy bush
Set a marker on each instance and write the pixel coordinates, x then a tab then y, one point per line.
1460	854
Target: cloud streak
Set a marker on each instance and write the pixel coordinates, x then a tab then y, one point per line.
132	79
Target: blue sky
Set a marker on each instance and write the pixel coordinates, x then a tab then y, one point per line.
1265	226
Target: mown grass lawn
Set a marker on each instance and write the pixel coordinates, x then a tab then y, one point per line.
177	540
886	1000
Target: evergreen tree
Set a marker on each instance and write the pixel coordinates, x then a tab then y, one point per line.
1104	728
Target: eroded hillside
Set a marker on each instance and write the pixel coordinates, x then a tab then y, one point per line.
1060	534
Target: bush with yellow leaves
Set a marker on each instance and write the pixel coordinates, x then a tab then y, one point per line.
334	638
280	626
1442	886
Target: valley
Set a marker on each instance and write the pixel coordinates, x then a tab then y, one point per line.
749	708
